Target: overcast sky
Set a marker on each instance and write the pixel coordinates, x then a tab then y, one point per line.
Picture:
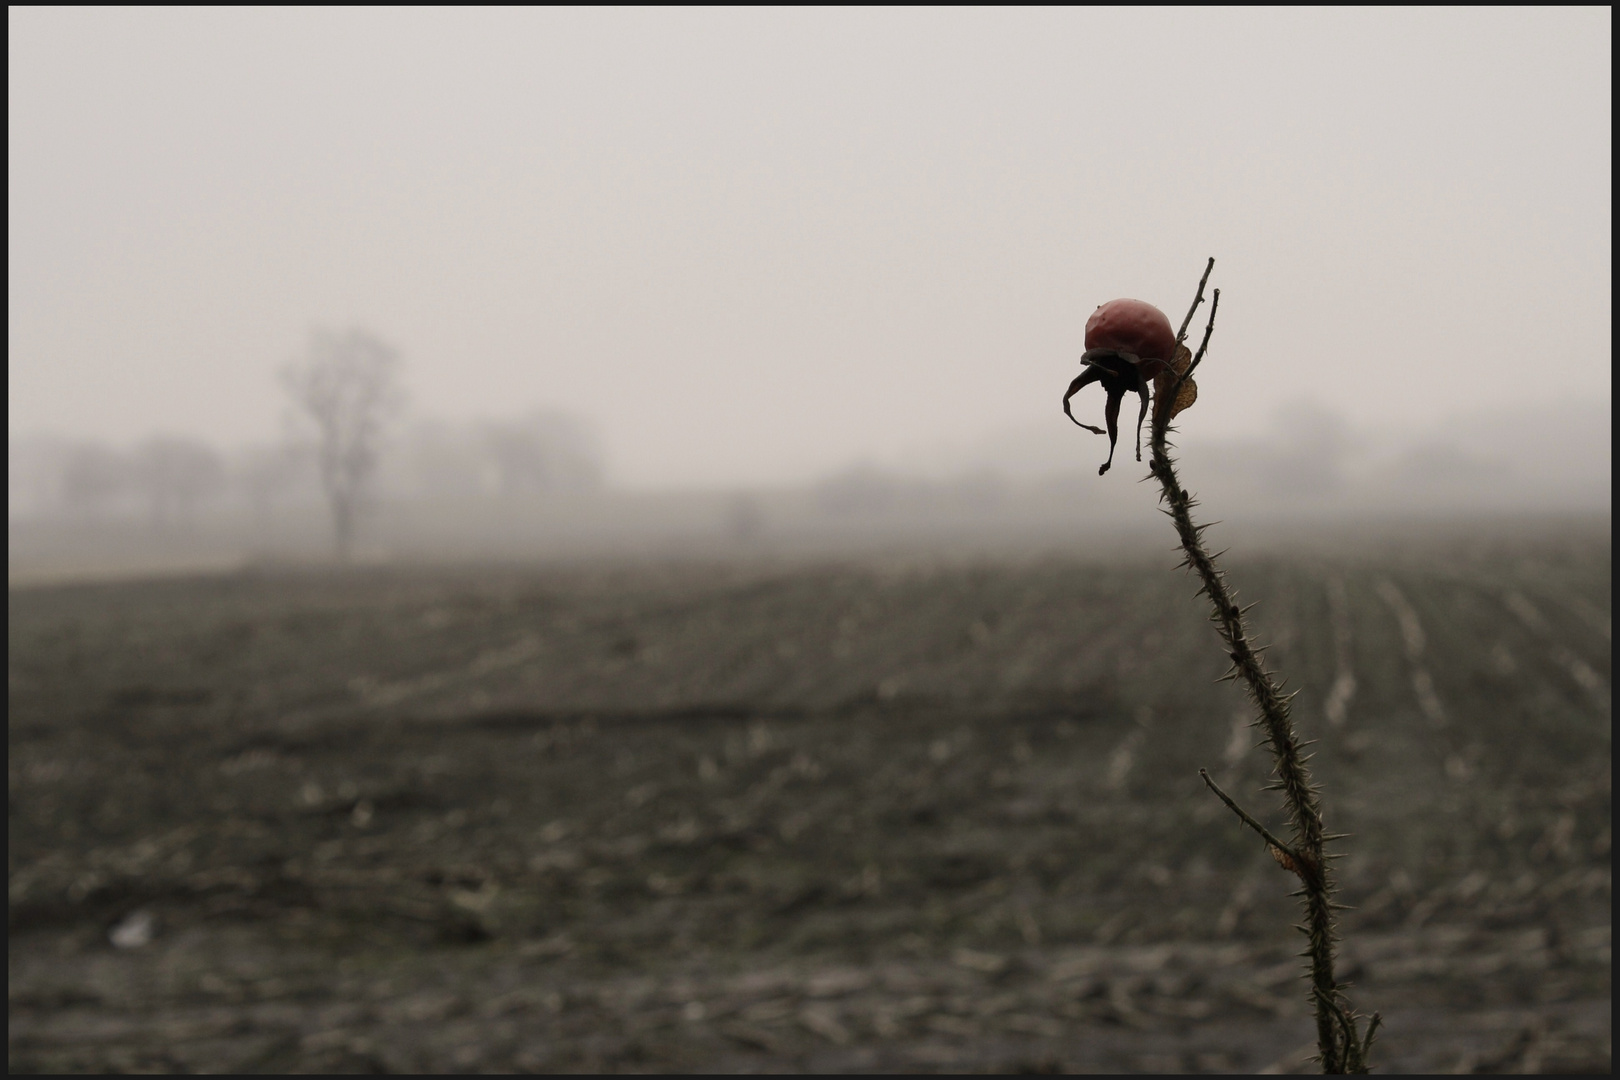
756	246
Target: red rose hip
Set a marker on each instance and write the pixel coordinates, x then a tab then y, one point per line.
1133	326
1130	348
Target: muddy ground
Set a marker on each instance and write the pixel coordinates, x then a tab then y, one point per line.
902	814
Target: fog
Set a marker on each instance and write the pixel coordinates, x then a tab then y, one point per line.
548	540
745	253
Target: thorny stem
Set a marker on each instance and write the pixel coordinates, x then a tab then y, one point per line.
1342	1049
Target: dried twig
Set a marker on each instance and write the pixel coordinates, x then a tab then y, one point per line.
1280	850
1209	328
1181	335
1341	1048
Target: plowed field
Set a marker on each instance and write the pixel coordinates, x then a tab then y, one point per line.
897	814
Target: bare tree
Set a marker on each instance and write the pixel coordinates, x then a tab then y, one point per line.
93	477
37	469
543	452
268	474
348	384
176	475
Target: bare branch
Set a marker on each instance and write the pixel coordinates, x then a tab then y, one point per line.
1249	820
1181	335
1209	328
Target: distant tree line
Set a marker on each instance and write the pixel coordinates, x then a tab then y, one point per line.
166	478
346	392
172	480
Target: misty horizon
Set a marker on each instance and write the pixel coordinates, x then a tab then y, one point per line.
756	247
1566	449
449	492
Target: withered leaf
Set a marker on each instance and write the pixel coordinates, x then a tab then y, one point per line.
1184	397
1284	860
1188	391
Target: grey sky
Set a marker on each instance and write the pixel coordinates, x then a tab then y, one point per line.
757	245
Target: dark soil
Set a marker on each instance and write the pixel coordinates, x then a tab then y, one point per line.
902	815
